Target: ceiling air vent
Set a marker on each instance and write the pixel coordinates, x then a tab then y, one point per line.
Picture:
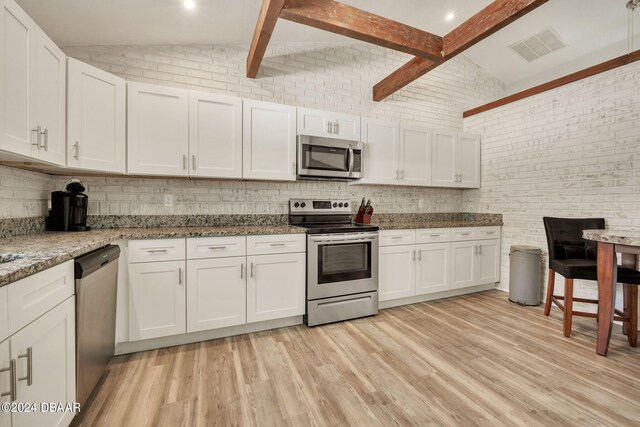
539	45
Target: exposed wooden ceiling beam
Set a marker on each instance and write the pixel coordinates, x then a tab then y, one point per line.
264	28
339	18
492	18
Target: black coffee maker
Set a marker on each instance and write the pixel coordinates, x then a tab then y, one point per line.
69	209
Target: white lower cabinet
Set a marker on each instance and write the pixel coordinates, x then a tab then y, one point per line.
157	299
5	381
475	262
275	286
216	293
396	272
432	267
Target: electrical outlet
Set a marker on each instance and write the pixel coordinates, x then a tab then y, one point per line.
168	200
420	203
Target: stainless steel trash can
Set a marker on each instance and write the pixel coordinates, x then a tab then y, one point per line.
525	275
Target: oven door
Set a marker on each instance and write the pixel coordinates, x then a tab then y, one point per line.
322	157
341	264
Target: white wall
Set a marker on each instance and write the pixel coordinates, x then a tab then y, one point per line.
570	152
337	77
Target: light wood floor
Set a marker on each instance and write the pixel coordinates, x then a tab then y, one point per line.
471	360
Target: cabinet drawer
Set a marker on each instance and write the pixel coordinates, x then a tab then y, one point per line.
33	296
216	247
488	232
4	315
276	244
433	235
463	233
397	237
156	250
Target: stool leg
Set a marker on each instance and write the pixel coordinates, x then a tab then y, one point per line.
632	334
626	297
568	306
550	286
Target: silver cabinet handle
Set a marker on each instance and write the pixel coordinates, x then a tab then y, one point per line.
76	147
242	270
29	357
46	140
39	133
329	127
184	161
180	276
475	250
420	255
335	127
464	234
193	161
213	248
278	244
397	174
251	269
154	251
480	249
435	235
13	381
413	255
397	237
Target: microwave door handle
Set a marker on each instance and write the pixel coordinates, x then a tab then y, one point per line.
350	155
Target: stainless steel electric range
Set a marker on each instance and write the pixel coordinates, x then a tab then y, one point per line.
342	261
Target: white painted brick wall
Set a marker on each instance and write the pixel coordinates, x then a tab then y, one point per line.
337	77
570	152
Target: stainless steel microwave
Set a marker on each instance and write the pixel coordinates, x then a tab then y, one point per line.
329	158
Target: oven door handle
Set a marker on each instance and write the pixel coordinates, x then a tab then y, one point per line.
361	238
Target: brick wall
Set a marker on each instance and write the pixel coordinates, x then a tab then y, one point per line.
570	152
336	77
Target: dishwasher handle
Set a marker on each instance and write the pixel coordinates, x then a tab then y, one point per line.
93	261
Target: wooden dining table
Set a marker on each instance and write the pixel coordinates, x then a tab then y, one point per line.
611	242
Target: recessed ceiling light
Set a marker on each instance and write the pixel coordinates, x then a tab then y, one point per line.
189	4
450	16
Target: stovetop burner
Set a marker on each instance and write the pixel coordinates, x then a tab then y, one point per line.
325	216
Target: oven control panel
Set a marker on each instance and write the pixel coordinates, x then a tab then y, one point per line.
319	207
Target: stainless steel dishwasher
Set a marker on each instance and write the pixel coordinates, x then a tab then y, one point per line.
96	275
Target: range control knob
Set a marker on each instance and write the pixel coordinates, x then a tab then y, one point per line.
335	205
346	205
303	204
296	204
339	205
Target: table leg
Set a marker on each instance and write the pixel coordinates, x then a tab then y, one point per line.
607	279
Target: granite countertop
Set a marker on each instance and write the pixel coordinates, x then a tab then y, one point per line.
438	224
620	237
47	249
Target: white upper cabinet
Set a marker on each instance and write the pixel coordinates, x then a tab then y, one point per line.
33	89
415	155
96	119
381	151
269	141
215	135
328	124
158	130
456	159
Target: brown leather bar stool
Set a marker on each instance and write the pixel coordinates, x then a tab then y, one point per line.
573	257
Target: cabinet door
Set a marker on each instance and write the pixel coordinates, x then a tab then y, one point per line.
415	155
48	98
489	261
96	118
215	135
346	126
158	129
156	299
463	264
216	293
397	275
5	381
314	122
380	151
469	162
276	286
269	141
49	342
18	34
433	268
444	158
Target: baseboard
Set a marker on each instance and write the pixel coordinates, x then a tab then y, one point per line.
155	343
434	296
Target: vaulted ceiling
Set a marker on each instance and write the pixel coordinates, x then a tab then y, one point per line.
593	30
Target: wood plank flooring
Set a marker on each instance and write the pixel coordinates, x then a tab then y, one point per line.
470	360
